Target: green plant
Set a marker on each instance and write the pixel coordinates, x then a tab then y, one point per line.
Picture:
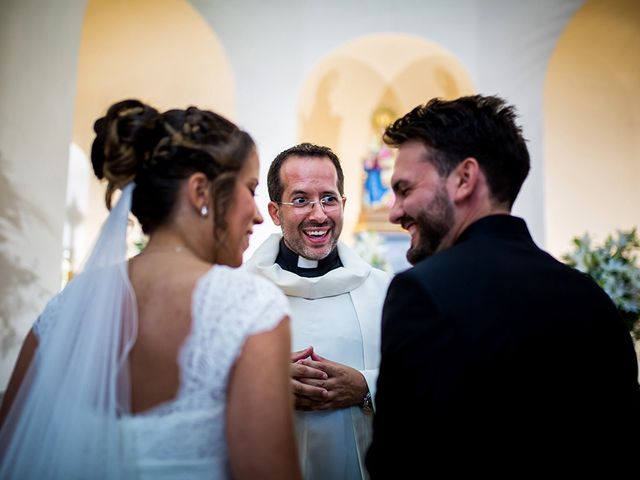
136	239
614	266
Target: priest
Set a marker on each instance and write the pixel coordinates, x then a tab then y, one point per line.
336	301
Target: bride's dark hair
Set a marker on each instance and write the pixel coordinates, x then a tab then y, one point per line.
135	142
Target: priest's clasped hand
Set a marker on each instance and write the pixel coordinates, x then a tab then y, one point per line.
321	384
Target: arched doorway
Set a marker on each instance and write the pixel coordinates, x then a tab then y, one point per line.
346	92
166	56
592	124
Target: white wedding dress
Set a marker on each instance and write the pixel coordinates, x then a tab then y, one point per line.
185	438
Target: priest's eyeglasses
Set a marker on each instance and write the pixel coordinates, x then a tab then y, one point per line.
328	203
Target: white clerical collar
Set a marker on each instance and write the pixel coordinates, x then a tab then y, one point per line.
306	263
335	282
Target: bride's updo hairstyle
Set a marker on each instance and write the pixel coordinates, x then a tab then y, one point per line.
135	142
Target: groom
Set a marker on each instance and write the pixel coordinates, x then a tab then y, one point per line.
497	360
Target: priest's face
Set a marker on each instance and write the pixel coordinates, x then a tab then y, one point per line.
311	209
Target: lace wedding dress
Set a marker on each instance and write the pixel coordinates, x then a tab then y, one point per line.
185	437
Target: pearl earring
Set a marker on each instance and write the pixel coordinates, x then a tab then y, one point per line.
204	211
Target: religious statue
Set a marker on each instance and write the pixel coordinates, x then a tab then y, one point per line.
377	169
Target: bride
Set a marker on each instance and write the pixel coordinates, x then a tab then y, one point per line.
171	364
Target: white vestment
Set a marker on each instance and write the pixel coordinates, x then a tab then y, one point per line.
339	314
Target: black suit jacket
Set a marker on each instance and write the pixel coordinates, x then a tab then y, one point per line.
497	358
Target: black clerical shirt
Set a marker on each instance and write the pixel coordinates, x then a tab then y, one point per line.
288	260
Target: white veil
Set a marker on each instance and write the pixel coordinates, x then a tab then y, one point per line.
64	422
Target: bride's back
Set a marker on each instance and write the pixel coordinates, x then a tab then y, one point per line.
163	282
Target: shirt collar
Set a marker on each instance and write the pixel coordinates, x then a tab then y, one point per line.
290	261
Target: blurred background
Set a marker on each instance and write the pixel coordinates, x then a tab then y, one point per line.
331	72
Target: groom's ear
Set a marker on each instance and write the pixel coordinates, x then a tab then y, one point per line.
465	179
274	212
